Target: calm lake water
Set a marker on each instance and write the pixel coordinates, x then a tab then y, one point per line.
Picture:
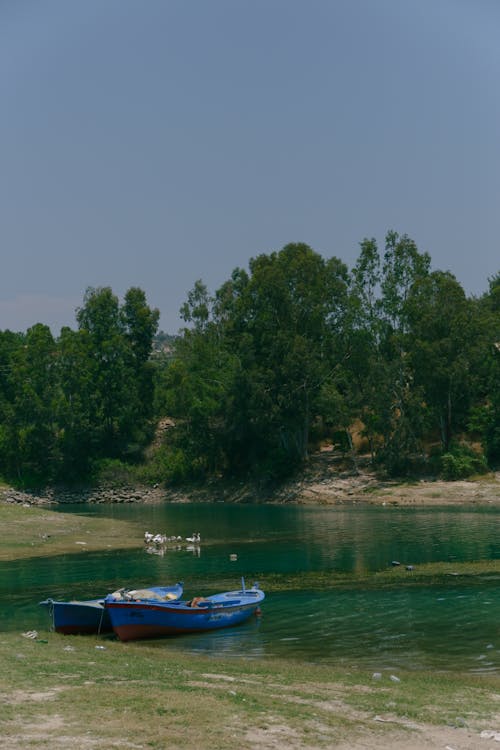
456	626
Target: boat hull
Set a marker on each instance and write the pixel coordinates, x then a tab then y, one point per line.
141	620
73	618
91	616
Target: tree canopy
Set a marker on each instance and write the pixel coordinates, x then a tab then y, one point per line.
293	351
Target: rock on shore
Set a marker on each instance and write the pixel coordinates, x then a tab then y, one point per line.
327	479
55	496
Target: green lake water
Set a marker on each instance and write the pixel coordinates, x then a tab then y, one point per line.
453	626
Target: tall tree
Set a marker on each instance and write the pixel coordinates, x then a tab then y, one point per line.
141	325
257	358
32	425
77	409
119	341
389	399
485	369
439	344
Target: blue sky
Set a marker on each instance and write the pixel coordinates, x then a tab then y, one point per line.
154	142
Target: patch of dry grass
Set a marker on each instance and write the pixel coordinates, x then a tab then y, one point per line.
90	692
31	531
85	692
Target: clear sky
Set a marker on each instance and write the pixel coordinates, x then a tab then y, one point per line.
154	142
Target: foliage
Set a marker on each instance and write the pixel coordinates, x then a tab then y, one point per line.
67	403
461	462
286	354
255	362
112	472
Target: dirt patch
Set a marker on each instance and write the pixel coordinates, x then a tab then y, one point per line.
18	697
331	479
417	737
276	736
328	478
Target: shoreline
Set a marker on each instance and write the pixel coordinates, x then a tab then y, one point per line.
313	487
48	680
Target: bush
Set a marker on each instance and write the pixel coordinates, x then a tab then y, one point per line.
168	465
461	462
112	472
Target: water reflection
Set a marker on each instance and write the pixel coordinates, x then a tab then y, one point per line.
341	538
446	628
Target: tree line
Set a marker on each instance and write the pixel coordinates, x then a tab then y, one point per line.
67	403
295	350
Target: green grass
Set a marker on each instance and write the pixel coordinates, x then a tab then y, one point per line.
34	531
102	693
94	692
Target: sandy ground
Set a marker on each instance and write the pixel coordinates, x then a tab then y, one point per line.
329	481
366	489
411	736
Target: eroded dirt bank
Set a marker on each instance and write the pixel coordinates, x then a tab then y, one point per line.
327	479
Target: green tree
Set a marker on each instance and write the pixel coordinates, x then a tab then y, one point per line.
118	341
79	435
389	400
294	312
31	428
11	351
252	368
485	368
439	344
100	320
141	324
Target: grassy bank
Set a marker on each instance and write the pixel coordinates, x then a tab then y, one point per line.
86	692
33	532
94	692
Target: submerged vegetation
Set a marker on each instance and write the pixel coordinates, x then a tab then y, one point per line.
281	358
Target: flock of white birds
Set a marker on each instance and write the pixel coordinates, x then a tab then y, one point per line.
157	544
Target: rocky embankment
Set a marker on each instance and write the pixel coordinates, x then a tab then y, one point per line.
327	479
55	496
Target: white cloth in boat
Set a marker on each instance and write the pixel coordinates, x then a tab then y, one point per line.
135	594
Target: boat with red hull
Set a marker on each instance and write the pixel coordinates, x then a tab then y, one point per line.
91	616
133	620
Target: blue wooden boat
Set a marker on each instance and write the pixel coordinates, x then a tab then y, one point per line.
132	620
75	617
91	616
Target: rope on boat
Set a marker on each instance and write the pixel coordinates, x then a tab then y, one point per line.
52	614
100	620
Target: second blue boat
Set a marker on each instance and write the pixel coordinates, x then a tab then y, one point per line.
132	620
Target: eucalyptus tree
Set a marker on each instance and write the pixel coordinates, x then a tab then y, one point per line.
100	322
118	341
11	346
140	326
288	319
31	426
389	399
77	407
201	380
368	373
253	364
441	335
486	368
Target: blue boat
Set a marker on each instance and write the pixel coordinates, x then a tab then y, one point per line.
133	620
91	616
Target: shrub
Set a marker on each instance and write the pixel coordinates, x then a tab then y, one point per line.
112	472
461	462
